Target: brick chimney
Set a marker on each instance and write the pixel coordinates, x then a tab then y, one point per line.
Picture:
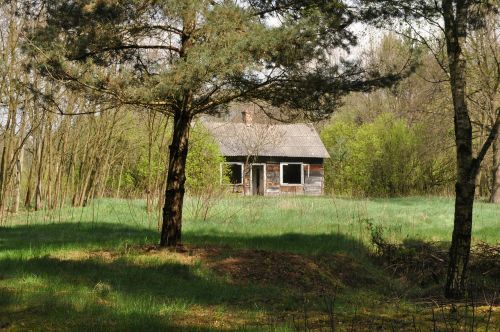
247	116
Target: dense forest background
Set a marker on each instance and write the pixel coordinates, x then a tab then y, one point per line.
399	141
59	148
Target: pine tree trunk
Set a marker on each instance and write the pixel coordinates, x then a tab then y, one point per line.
176	178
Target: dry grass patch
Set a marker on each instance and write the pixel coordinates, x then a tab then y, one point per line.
300	273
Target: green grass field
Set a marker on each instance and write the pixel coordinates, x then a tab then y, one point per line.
247	264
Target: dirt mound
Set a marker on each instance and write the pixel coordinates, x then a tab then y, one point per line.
308	274
316	274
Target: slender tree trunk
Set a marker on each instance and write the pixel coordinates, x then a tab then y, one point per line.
61	149
39	173
87	183
19	165
29	193
12	95
35	118
176	178
105	176
17	182
117	193
176	173
72	178
455	17
247	186
7	163
2	181
461	240
151	121
481	138
48	164
495	192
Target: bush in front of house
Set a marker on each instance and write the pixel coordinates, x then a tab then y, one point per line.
203	166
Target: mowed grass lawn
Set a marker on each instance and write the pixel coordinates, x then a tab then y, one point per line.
246	264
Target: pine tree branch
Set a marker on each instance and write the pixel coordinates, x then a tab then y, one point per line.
127	47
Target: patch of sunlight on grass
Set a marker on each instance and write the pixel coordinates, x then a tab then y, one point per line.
32	280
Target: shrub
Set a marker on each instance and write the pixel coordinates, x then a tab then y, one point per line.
203	170
384	158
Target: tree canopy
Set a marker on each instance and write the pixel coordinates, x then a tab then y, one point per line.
152	53
187	58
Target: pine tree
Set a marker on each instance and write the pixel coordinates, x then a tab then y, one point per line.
191	57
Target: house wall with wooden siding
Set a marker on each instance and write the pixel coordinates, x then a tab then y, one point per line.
313	183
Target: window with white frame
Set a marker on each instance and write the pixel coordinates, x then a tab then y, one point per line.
291	173
235	173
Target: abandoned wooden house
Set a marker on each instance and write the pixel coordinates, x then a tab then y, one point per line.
270	159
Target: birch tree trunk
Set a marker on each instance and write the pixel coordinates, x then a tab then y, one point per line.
456	14
455	30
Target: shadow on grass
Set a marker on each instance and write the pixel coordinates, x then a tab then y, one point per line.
112	236
78	235
145	293
51	311
164	280
309	244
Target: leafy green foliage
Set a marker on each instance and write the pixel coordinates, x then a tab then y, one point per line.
202	167
203	162
382	158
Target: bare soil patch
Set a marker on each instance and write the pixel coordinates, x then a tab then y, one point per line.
324	274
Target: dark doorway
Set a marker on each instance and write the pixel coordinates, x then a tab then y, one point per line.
258	183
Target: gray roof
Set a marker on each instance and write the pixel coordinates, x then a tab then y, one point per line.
282	140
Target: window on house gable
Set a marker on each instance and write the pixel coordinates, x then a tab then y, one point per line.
291	173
